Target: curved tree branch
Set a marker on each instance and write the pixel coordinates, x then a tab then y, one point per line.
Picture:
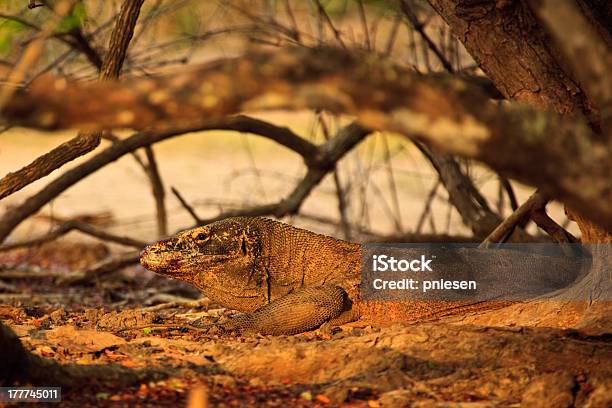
319	160
449	113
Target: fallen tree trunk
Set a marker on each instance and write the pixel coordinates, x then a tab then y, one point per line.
449	113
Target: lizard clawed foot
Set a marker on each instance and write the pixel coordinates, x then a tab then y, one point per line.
329	329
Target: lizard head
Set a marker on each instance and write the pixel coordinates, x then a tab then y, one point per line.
218	258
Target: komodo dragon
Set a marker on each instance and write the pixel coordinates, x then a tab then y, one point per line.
287	280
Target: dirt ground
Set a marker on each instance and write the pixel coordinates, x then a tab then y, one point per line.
444	363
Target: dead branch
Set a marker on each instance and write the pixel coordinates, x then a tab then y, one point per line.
158	192
204	302
465	197
427	207
83	143
30	275
340	193
319	159
47	163
328	155
420	28
75	226
104	267
330	23
537	201
186	205
451	114
557	232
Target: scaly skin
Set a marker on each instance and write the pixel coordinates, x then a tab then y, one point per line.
287	280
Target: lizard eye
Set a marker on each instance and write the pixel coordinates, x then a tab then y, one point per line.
201	236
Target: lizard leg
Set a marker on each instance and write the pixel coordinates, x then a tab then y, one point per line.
303	310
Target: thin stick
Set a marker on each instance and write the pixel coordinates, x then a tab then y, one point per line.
427	208
157	188
330	23
420	28
78	226
164	326
536	201
186	205
364	23
340	193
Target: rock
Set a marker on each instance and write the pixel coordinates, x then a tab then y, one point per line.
336	393
256	382
554	390
86	341
57	315
396	398
92	316
223	380
121	320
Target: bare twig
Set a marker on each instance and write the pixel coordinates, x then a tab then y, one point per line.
78	226
510	191
74	38
158	192
330	23
186	205
397	219
420	28
427	208
537	201
393	34
340	193
104	267
364	24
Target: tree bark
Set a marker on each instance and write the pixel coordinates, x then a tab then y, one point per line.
549	69
515	51
509	45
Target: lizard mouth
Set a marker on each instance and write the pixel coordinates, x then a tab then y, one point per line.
174	263
160	260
